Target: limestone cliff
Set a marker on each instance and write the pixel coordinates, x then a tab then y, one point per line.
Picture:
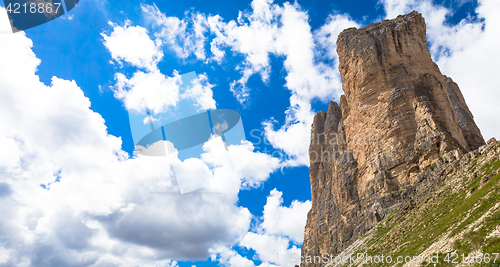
398	116
453	210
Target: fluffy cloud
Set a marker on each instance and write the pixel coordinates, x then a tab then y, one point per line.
272	241
201	92
293	137
144	90
185	37
279	226
285	221
285	32
158	93
152	90
467	52
282	31
140	50
230	258
99	206
271	29
270	249
307	78
237	168
253	35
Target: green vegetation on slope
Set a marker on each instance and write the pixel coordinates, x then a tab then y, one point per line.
460	217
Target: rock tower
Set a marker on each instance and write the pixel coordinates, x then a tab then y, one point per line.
398	115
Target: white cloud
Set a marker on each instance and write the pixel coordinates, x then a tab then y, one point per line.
133	45
326	36
270	249
285	32
253	35
293	137
144	90
152	90
268	29
201	92
467	52
285	221
271	243
252	168
107	208
185	37
307	79
230	258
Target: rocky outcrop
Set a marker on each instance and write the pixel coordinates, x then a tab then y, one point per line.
453	210
464	117
398	116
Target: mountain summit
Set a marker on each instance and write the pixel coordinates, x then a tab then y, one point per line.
398	119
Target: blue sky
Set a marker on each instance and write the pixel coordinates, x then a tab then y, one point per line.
266	80
73	50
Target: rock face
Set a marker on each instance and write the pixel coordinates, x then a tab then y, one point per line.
433	219
464	117
398	116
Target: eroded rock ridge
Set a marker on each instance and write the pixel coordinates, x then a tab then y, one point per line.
399	115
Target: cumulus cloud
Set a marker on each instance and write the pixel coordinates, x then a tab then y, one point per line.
285	221
230	258
284	31
270	249
237	160
185	37
467	52
103	207
201	92
272	241
307	78
139	51
159	93
267	29
148	91
293	137
252	35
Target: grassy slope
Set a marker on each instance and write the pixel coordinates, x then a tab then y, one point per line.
457	217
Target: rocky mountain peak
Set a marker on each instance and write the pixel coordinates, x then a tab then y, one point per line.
399	115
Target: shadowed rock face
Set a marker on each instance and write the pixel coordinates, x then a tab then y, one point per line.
464	117
398	116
